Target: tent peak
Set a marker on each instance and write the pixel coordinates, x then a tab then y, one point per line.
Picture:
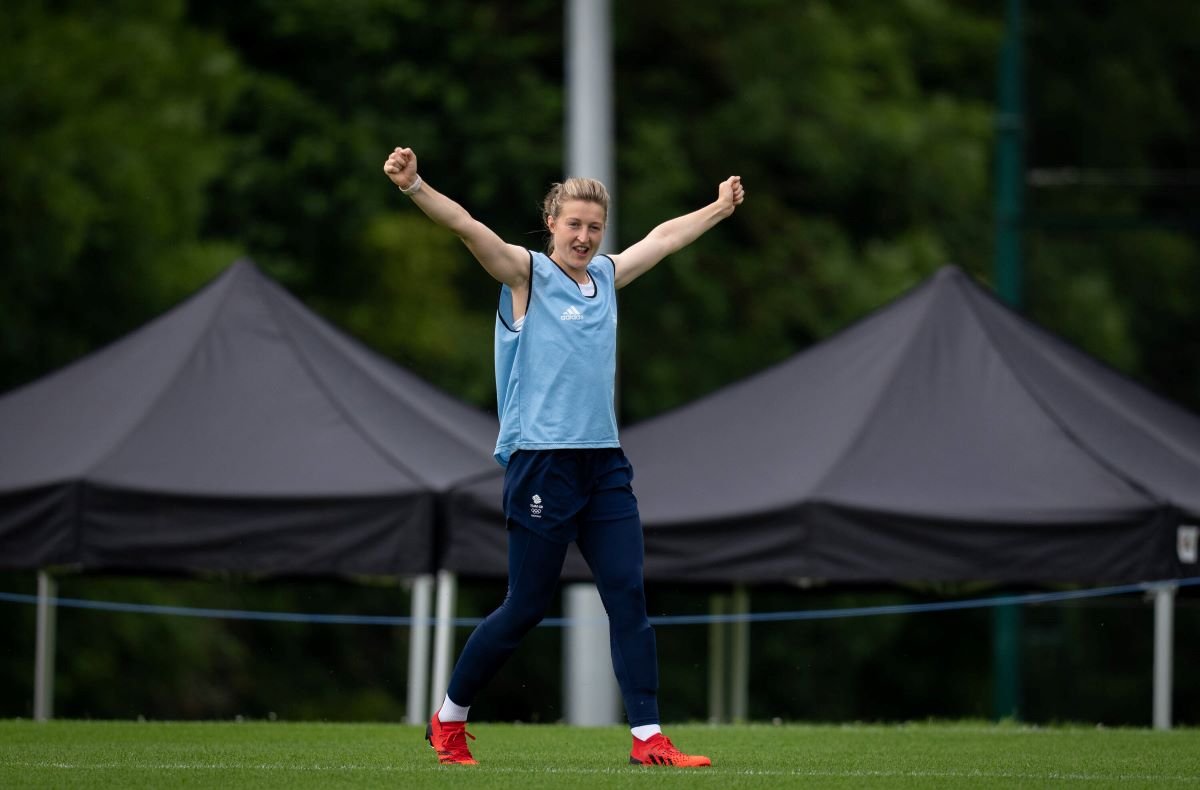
950	271
242	266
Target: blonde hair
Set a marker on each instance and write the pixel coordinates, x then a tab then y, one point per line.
588	189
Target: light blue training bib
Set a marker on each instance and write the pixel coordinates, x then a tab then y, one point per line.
556	375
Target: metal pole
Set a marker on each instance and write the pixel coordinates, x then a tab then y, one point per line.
1164	638
43	667
1007	271
739	704
589	154
1010	165
1006	661
590	694
443	637
590	100
716	660
418	649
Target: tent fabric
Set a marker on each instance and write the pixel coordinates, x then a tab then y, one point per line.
240	432
942	438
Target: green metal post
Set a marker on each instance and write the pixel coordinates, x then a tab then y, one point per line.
1010	165
1009	194
1006	662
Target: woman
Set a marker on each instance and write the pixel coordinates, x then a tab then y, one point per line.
566	478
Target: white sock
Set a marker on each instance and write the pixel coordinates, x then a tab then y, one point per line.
645	731
451	711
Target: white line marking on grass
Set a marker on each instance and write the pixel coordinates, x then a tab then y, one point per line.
810	773
198	766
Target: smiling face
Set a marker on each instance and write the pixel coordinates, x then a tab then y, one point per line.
576	234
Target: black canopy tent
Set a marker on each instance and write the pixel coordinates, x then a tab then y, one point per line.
236	432
943	437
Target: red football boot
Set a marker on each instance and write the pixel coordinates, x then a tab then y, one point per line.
658	750
449	740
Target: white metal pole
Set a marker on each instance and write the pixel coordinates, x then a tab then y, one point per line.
590	122
589	154
1164	638
43	668
590	693
418	649
443	637
739	706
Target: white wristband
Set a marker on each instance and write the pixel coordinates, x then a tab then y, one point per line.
413	188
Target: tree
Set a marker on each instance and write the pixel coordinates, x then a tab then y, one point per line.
474	88
862	133
1113	257
109	127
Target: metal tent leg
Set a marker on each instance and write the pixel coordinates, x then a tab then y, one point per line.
716	660
443	637
43	669
739	703
1164	638
418	650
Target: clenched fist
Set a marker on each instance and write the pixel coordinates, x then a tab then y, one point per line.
401	167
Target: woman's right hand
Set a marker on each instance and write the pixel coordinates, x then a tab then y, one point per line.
401	167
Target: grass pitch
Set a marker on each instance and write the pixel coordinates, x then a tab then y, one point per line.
301	755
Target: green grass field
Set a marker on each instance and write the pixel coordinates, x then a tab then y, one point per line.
287	755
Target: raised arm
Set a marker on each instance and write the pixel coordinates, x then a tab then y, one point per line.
675	234
508	263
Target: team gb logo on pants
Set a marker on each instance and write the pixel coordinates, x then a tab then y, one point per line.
535	506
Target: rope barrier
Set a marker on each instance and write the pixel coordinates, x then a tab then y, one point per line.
559	622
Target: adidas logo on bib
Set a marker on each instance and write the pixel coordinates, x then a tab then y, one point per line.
571	314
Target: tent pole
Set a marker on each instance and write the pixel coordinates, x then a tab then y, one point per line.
716	660
739	705
443	637
418	649
1164	627
43	668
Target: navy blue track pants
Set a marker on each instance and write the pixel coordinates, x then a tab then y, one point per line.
608	531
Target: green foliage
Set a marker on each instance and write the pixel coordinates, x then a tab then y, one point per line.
109	131
864	173
1113	258
415	312
474	88
148	145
